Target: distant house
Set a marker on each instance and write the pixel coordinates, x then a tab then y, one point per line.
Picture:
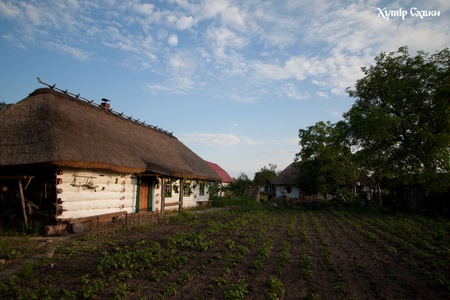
364	185
287	180
226	179
67	158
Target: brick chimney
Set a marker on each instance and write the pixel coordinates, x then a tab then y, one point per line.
105	104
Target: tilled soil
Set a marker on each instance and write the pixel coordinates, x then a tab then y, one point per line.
235	254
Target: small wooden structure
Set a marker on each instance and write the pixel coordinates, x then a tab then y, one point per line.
253	193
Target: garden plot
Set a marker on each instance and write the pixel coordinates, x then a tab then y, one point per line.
251	254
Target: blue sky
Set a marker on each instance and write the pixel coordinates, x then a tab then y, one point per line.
233	80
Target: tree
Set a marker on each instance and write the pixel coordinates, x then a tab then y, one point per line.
240	184
325	158
265	176
400	121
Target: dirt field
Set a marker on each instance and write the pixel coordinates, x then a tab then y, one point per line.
256	254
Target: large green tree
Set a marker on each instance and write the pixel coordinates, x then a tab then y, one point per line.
325	158
400	122
239	186
264	176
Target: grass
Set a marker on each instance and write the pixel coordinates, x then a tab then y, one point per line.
236	202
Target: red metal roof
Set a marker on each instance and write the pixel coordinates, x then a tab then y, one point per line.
221	172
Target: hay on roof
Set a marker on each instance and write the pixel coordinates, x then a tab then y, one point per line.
288	176
49	127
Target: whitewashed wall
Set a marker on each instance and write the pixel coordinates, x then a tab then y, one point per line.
90	193
295	192
191	201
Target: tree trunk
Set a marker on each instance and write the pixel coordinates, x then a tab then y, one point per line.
412	196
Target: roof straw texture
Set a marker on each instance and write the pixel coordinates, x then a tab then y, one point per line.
49	127
288	176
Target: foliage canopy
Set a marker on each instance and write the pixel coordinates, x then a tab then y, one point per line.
325	158
400	121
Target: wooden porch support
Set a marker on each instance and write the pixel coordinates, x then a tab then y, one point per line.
163	197
22	200
180	196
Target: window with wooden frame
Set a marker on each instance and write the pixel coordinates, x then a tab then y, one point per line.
202	188
186	188
168	189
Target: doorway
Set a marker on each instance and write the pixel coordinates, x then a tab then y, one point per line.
145	197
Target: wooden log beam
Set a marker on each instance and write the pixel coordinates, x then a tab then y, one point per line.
163	197
16	177
172	203
103	217
22	200
180	196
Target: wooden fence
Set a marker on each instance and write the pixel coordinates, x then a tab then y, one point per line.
120	223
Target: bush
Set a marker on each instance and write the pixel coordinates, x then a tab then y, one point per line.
225	202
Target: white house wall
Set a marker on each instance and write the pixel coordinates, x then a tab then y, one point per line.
85	193
190	201
295	192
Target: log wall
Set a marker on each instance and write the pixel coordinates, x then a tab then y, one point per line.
84	193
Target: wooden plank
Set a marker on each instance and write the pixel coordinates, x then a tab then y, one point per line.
172	203
180	196
55	229
143	197
204	203
16	177
163	197
22	199
95	218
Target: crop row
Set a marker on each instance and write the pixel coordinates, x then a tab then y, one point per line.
239	254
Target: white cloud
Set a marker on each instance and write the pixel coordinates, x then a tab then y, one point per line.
173	40
242	99
225	42
322	94
290	90
269	71
232	17
336	113
76	53
230	139
213	8
174	85
257	43
12	40
185	22
146	8
32	13
181	22
177	61
210	139
9	10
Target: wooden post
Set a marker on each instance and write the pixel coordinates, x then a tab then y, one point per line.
163	196
180	196
22	199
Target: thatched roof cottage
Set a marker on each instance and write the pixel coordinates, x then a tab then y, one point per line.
287	180
79	159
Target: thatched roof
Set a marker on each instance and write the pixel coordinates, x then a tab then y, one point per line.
52	128
288	176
